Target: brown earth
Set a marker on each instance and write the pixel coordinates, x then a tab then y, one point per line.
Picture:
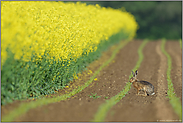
110	81
176	74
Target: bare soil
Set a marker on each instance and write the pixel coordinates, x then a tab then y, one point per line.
176	74
110	81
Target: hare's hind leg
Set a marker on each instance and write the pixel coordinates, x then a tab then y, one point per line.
138	91
145	94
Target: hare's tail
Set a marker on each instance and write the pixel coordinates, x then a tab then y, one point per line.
153	93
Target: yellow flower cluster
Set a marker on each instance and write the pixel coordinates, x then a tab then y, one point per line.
63	30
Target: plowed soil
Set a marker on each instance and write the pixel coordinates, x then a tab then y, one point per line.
110	81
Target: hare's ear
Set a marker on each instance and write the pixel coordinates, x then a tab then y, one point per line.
136	73
133	74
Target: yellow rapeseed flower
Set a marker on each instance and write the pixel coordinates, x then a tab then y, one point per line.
63	30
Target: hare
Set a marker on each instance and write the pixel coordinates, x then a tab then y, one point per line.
145	86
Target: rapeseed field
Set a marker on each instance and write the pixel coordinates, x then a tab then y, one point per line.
44	45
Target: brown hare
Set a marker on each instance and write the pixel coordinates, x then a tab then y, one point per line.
145	86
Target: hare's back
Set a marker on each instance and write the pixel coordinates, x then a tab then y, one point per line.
145	83
149	87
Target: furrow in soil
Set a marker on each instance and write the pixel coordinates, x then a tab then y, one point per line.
84	76
84	105
165	111
174	50
151	108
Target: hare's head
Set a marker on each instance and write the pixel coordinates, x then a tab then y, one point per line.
134	78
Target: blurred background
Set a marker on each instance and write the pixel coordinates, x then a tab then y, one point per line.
156	19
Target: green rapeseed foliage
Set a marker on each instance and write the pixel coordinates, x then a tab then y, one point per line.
44	45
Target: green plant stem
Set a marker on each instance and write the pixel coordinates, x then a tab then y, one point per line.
180	41
105	107
173	99
23	108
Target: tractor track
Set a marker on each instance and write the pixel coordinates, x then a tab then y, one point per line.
110	81
174	50
152	108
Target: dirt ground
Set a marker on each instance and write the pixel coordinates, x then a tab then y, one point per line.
110	81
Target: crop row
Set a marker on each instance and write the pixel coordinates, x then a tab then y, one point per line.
104	108
24	107
173	99
44	45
